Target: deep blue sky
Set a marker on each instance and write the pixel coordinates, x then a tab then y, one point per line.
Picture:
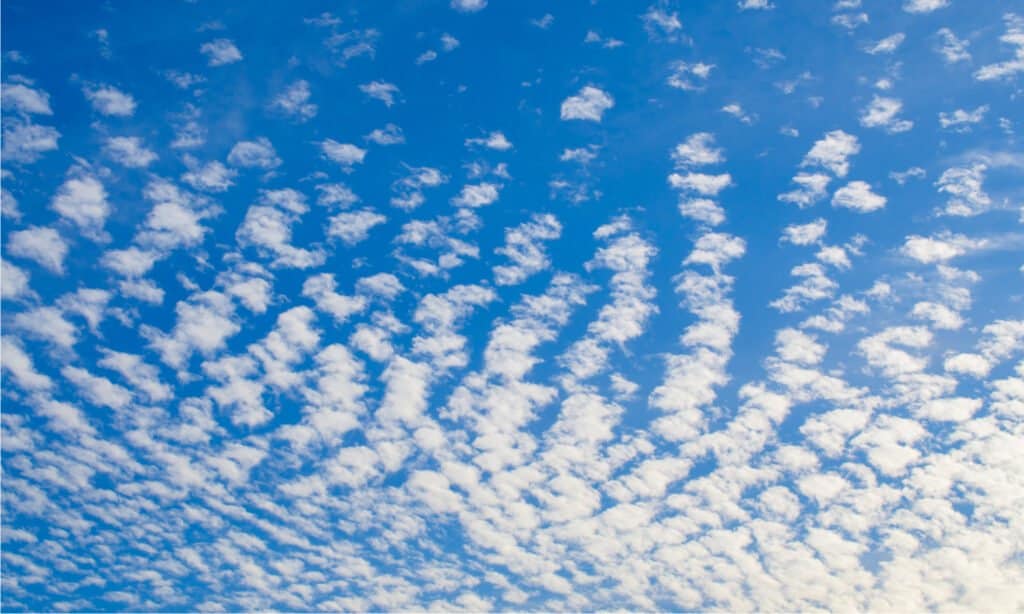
573	336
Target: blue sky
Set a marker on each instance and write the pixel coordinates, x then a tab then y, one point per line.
484	305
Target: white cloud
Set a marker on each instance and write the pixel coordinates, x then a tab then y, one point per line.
25	142
43	245
495	140
344	154
889	44
477	195
882	113
833	152
108	100
294	101
210	177
20	98
805	234
390	134
384	92
254	154
82	200
129	151
351	227
589	104
964	185
857	195
961	120
468	6
952	49
524	249
220	52
1014	37
924	6
939	248
747	5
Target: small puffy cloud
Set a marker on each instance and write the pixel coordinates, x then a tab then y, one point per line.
259	154
964	185
495	140
850	21
974	365
477	195
697	150
833	152
659	22
294	101
382	91
468	6
82	200
939	248
20	98
888	44
41	244
961	120
589	104
736	110
449	42
857	195
129	151
409	189
351	227
345	154
882	113
427	56
14	282
805	234
750	5
690	77
25	142
108	100
220	52
210	177
390	134
924	6
951	48
1014	37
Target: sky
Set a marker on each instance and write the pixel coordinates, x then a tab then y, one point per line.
472	305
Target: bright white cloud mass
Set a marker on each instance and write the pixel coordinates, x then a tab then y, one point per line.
514	306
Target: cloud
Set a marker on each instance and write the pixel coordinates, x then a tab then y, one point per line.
129	151
25	142
468	6
857	195
345	154
20	98
589	104
495	140
748	5
294	101
889	44
82	200
939	248
924	6
882	112
259	154
220	52
964	185
477	195
390	134
110	101
1014	37
351	227
384	92
951	48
